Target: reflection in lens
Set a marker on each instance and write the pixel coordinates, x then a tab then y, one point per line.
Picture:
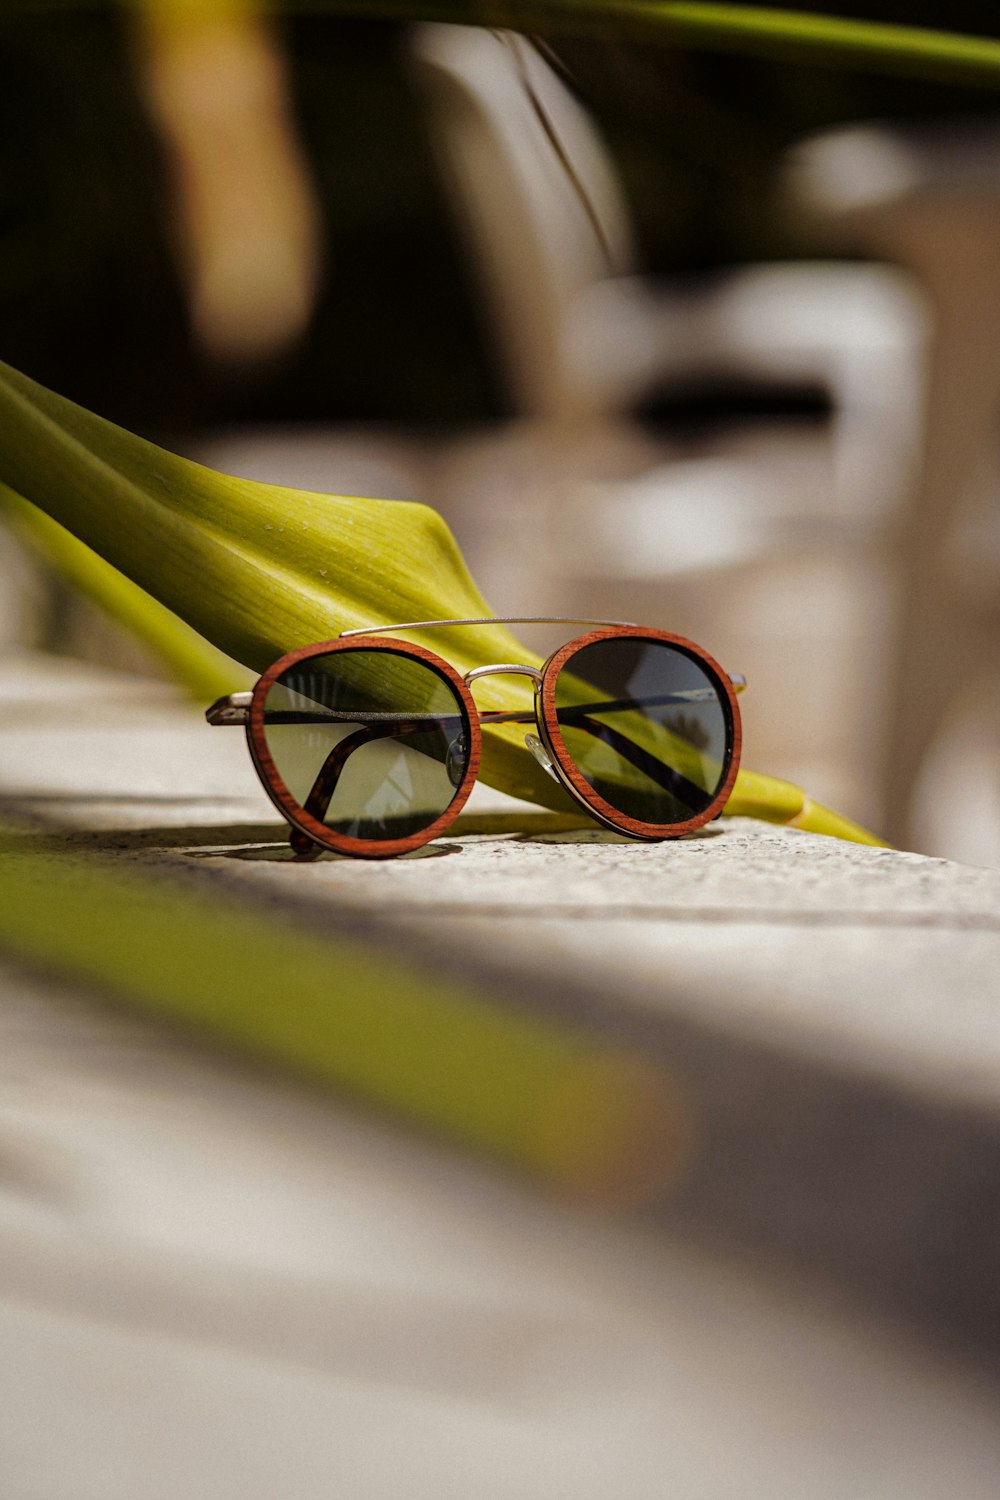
646	726
372	743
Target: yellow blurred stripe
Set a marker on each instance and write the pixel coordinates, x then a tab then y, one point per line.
568	1105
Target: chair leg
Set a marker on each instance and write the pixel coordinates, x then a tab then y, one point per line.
942	637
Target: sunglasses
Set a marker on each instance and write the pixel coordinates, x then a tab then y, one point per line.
370	745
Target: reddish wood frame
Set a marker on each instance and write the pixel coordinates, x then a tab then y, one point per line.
548	725
576	782
282	797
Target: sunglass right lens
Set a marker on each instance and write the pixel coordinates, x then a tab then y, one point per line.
647	726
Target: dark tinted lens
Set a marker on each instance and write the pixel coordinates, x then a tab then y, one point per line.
372	743
646	726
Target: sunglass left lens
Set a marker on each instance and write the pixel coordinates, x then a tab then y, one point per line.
647	726
373	744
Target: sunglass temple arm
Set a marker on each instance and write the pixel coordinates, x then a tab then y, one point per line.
233	709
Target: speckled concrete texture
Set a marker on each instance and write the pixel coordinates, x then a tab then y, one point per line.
215	1281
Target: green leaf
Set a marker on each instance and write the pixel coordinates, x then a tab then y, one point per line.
259	569
201	669
918	51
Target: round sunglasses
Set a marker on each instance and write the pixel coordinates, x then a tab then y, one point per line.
370	745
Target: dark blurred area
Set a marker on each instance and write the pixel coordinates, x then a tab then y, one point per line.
91	299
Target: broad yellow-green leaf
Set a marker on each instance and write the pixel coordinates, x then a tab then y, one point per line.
205	672
258	569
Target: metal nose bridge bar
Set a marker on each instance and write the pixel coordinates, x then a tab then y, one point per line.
509	668
533	743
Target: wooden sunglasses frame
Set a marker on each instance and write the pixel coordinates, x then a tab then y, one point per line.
310	834
576	782
318	833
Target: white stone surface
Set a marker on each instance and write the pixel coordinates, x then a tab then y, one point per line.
887	960
213	1282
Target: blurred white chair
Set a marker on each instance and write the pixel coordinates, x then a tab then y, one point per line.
927	198
765	541
583	336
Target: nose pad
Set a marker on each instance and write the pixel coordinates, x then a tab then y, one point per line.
457	759
540	753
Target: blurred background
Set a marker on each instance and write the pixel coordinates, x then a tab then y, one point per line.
701	340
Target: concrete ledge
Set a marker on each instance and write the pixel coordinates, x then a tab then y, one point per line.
831	1013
